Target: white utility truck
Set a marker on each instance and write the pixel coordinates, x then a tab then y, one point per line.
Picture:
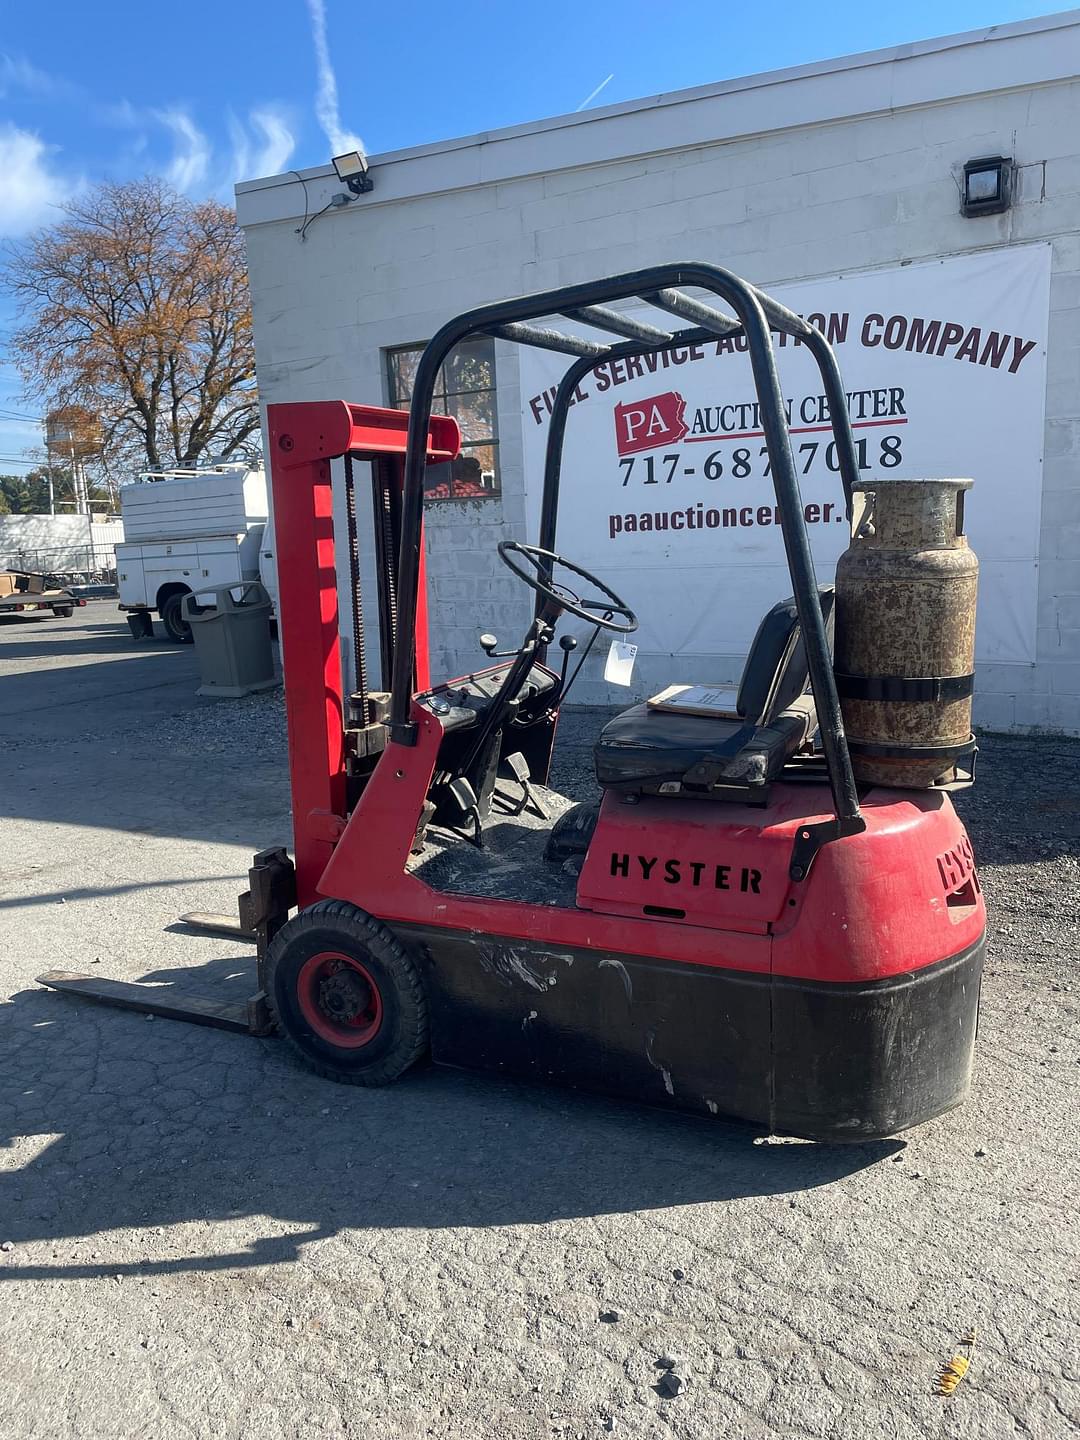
191	530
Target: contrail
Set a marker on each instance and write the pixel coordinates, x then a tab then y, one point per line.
326	95
590	98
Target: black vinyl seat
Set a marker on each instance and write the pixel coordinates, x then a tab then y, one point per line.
659	752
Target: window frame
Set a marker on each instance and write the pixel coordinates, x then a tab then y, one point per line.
400	396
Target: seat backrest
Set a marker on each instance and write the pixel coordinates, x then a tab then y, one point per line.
776	672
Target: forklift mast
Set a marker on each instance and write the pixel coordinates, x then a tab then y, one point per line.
332	736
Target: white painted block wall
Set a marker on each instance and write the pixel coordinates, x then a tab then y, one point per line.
816	199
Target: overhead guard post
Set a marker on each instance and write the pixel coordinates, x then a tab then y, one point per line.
846	455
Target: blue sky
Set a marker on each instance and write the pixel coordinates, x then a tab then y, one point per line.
210	93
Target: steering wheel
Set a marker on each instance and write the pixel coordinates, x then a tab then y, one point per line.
540	578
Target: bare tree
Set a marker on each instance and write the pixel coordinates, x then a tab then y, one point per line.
135	307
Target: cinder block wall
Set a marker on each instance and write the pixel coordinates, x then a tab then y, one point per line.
810	200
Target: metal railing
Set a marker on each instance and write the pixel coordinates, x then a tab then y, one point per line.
92	564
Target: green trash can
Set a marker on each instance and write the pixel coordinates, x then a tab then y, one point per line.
231	630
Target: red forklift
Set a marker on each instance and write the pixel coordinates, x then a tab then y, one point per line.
735	927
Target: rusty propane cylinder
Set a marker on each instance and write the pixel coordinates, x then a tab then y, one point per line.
905	632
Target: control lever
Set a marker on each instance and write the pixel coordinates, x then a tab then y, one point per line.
567	644
488	643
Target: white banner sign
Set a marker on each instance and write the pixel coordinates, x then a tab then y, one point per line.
665	485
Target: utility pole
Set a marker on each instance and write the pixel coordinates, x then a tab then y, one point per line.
49	474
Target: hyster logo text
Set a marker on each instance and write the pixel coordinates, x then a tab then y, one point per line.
956	865
686	872
647	424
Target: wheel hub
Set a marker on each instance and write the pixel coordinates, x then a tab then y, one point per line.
344	996
339	998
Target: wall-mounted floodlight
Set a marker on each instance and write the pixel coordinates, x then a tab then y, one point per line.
987	186
352	169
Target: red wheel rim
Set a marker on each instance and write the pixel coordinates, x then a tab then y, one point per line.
339	999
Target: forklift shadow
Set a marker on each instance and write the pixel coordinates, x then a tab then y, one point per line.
127	1128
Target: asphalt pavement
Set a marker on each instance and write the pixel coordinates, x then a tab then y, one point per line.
201	1239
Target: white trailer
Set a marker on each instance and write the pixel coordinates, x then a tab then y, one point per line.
188	530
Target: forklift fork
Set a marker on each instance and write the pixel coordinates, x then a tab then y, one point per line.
264	908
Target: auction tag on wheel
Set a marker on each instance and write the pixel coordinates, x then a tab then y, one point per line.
620	663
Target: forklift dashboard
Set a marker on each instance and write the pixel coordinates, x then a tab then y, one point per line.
459	703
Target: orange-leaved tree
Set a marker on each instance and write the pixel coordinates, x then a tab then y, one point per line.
135	307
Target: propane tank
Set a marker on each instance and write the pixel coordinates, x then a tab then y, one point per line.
905	632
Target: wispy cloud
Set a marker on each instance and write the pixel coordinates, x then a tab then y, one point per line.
593	94
18	76
278	141
190	163
264	150
326	94
27	186
259	144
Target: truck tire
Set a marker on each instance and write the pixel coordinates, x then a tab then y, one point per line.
63	612
176	627
347	995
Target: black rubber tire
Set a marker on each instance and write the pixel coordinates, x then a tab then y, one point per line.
63	612
402	1037
176	627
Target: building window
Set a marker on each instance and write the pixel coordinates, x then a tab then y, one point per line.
465	390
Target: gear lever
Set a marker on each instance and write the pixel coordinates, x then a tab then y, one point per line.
567	644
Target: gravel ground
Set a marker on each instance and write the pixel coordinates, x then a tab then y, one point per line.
200	1239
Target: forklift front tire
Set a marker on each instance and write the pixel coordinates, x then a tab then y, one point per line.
347	995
